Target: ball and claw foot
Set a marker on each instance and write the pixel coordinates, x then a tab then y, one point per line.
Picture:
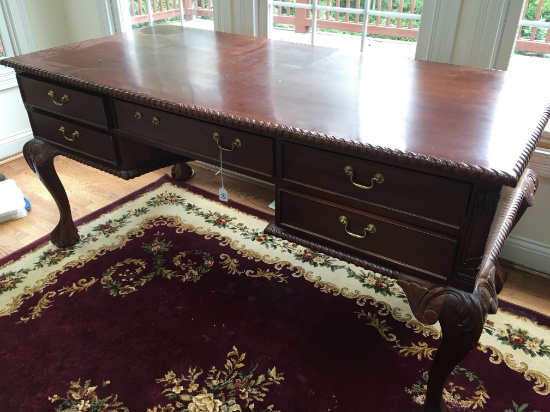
64	235
182	172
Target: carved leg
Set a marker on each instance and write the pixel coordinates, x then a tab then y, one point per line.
461	316
39	155
182	171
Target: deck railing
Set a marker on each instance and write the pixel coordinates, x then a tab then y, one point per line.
150	11
404	26
534	27
533	33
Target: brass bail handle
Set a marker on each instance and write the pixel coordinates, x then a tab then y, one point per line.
64	98
369	229
234	144
74	134
377	178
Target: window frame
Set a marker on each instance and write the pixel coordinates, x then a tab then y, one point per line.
16	37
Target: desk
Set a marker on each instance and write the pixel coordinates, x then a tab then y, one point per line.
416	170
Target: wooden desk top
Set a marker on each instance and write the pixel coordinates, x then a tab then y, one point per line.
469	123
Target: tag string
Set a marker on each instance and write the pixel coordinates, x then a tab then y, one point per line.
221	166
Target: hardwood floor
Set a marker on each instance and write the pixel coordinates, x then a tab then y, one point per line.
89	189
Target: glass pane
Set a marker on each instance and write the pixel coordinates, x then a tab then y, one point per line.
339	23
189	13
534	33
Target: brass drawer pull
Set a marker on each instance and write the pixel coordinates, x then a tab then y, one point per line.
64	98
378	178
137	115
155	121
236	143
74	134
369	229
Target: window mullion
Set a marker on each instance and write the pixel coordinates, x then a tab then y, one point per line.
19	31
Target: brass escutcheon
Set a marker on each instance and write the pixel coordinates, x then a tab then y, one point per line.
378	178
234	144
64	98
74	134
369	229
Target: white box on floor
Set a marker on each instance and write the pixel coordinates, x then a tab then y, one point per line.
12	201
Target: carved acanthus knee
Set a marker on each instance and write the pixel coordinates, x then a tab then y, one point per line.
38	153
461	316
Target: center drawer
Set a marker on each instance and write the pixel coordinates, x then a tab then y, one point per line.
420	194
367	235
196	138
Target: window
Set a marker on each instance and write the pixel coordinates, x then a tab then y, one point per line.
7	77
5	46
532	50
534	29
341	23
190	13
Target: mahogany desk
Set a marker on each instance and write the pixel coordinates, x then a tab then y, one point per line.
416	170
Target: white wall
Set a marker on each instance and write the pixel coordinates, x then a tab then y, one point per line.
529	242
80	28
16	132
47	23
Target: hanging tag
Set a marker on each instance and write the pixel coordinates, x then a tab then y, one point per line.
223	194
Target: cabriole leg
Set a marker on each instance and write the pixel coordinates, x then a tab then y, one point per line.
39	155
461	316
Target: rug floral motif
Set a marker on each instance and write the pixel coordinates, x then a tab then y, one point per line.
37	285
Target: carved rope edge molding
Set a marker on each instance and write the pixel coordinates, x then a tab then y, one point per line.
292	133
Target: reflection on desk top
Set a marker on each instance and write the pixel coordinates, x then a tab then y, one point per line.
473	121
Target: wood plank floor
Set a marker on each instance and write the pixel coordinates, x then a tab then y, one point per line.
89	189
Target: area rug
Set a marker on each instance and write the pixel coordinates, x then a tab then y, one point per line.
173	301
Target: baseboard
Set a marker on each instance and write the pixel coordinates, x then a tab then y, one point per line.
506	264
524	253
13	144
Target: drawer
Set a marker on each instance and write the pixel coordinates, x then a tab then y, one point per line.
65	101
195	138
74	137
420	194
394	243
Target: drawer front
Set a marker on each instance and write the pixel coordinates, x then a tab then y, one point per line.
194	137
416	193
385	240
74	137
65	101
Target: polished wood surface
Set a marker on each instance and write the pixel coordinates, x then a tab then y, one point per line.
443	111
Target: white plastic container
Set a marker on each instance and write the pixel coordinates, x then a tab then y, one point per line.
12	201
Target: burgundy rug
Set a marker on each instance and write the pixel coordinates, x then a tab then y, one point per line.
172	301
